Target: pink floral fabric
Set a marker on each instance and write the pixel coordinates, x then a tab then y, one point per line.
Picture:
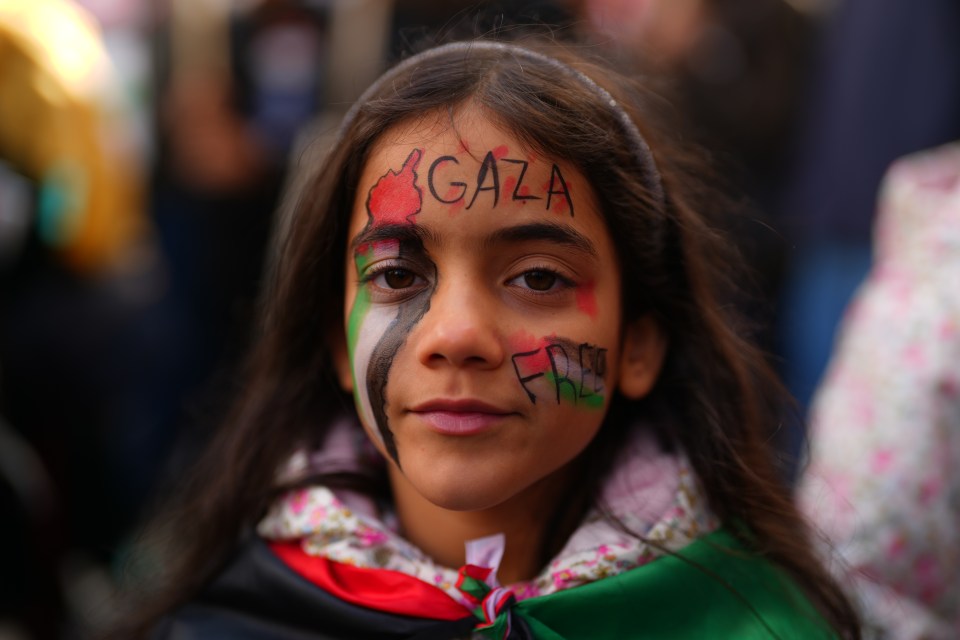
884	477
653	493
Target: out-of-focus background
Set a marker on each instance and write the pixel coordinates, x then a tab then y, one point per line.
144	144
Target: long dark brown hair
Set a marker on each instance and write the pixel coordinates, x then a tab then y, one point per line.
715	399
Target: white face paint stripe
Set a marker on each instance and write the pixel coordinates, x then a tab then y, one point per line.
375	325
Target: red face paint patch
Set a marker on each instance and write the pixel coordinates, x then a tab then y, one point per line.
501	152
587	299
526	343
454	197
379	248
556	205
396	198
509	184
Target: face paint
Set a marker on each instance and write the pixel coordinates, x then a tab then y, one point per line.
376	332
383	354
558	194
367	323
501	178
587	299
487	168
396	198
520	191
510	184
561	370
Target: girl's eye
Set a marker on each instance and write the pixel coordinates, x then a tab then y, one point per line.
540	280
389	282
395	279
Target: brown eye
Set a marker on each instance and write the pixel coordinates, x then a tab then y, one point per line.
540	280
399	278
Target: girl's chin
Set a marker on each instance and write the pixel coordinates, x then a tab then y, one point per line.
468	499
460	490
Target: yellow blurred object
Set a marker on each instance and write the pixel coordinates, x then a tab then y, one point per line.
56	127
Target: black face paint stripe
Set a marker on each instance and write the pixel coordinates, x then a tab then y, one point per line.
378	372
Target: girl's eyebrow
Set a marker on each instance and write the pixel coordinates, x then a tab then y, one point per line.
413	233
552	232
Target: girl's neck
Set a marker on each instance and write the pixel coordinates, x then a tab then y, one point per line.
442	533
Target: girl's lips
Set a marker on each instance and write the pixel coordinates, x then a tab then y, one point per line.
460	417
460	423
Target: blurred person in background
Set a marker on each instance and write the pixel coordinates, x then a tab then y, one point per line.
235	83
82	350
883	479
735	67
886	83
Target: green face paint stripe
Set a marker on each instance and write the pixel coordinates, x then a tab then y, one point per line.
361	304
569	393
359	310
358	313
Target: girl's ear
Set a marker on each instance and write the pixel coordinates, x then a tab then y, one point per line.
644	348
341	361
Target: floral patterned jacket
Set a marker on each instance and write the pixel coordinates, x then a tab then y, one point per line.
329	565
884	476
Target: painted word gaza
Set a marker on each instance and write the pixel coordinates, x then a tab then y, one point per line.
575	371
488	179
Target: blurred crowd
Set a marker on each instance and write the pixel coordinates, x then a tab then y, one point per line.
144	145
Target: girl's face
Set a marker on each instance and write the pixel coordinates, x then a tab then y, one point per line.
483	312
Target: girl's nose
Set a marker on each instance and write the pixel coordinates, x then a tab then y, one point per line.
460	329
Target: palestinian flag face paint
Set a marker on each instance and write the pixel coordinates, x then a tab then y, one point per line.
374	333
367	323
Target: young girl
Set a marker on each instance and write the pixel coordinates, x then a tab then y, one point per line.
553	433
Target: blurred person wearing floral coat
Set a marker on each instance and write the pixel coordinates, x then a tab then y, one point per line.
885	426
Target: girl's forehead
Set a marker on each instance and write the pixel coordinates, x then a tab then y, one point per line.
465	167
